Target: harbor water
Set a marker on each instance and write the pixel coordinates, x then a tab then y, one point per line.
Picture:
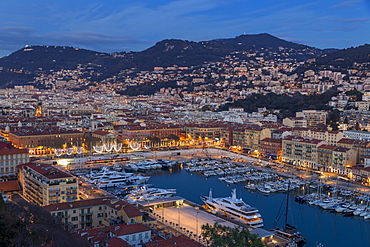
316	225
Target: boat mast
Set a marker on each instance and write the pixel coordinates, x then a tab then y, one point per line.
286	207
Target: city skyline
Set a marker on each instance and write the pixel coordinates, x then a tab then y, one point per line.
126	26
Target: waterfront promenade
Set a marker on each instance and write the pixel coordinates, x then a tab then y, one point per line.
188	219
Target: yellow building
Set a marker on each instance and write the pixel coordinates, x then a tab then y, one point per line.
44	184
301	151
335	158
331	137
313	117
254	135
10	157
93	213
295	122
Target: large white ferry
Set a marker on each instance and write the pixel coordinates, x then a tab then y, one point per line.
235	208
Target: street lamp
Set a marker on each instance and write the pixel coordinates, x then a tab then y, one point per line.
162	209
178	215
196	228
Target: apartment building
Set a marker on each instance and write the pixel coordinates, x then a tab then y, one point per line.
301	151
357	135
142	133
253	134
41	140
271	147
93	213
10	157
361	147
331	137
335	158
314	118
209	130
44	184
295	122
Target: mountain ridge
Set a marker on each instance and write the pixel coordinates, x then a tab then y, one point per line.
21	65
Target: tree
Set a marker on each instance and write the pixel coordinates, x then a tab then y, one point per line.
2	203
205	108
220	236
25	224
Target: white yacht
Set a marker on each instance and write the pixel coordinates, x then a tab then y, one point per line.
147	194
235	208
119	179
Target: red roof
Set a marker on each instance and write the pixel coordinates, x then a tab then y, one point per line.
7	148
130	210
46	170
10	186
117	242
101	132
9	151
301	139
123	229
180	241
271	140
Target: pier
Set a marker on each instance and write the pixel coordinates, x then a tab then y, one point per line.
180	216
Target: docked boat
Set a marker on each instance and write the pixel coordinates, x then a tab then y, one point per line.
235	208
289	232
145	193
121	179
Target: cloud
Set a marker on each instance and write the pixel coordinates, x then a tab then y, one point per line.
352	20
95	40
346	4
13	38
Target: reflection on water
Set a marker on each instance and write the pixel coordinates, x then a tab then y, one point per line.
316	225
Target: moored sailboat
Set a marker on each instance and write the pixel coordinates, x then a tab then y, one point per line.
289	232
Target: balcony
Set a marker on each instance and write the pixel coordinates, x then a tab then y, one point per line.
62	215
54	195
85	213
89	220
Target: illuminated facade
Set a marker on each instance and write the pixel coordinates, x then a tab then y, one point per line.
10	157
41	140
93	213
44	184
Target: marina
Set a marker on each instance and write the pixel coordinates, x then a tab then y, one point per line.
308	198
318	226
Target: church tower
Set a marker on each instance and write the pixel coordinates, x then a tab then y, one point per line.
38	112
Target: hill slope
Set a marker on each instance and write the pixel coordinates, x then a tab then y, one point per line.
339	60
24	64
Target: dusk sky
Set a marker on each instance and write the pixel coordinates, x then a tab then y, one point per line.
121	25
